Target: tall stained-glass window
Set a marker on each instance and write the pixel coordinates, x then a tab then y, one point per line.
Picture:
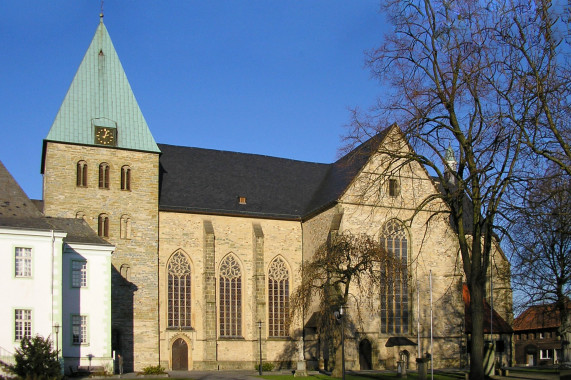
394	287
278	298
230	307
179	296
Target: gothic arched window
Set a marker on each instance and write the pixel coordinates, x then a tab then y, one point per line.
104	175
394	288
81	176
278	298
230	283
179	291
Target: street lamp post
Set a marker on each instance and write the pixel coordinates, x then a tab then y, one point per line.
340	316
260	339
56	329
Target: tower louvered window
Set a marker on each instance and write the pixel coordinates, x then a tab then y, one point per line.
394	287
278	298
230	283
103	225
125	227
125	178
103	175
179	297
81	175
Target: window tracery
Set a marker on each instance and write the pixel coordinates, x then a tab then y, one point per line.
394	287
179	288
230	306
278	298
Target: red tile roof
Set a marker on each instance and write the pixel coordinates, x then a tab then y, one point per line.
500	326
539	317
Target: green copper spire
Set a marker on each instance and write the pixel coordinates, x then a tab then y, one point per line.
100	96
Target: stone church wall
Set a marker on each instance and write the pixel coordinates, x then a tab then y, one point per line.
134	272
255	243
367	206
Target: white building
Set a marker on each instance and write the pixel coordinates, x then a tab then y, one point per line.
55	274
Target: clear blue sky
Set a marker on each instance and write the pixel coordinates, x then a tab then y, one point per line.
266	77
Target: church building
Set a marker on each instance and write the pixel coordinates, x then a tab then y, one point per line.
209	244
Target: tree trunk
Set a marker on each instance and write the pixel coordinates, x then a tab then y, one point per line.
337	369
477	314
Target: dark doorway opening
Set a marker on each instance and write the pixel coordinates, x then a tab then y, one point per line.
365	355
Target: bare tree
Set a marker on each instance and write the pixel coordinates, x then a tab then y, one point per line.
452	83
542	246
345	262
537	89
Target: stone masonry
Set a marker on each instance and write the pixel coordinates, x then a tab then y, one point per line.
134	292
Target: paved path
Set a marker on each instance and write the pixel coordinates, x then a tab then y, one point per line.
199	375
215	375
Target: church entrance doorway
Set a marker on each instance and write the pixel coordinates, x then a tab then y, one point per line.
365	355
179	355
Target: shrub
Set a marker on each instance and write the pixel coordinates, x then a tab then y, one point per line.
154	370
35	359
266	367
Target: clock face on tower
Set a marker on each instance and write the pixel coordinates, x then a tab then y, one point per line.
105	136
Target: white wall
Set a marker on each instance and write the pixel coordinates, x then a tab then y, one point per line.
93	301
40	293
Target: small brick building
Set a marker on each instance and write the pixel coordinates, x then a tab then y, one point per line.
536	336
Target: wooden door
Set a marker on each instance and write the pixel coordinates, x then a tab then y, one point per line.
179	355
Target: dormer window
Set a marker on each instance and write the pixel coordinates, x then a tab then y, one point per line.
242	200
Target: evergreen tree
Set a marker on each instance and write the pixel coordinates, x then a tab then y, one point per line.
36	359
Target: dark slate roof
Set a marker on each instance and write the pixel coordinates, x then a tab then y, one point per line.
18	211
29	223
78	231
211	181
13	201
341	173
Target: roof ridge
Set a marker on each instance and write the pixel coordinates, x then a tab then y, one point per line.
243	153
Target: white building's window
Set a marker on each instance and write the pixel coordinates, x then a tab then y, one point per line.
79	329
23	262
23	324
545	354
78	274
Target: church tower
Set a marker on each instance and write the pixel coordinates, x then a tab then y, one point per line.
101	163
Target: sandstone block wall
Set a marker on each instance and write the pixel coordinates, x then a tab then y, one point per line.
206	240
134	272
